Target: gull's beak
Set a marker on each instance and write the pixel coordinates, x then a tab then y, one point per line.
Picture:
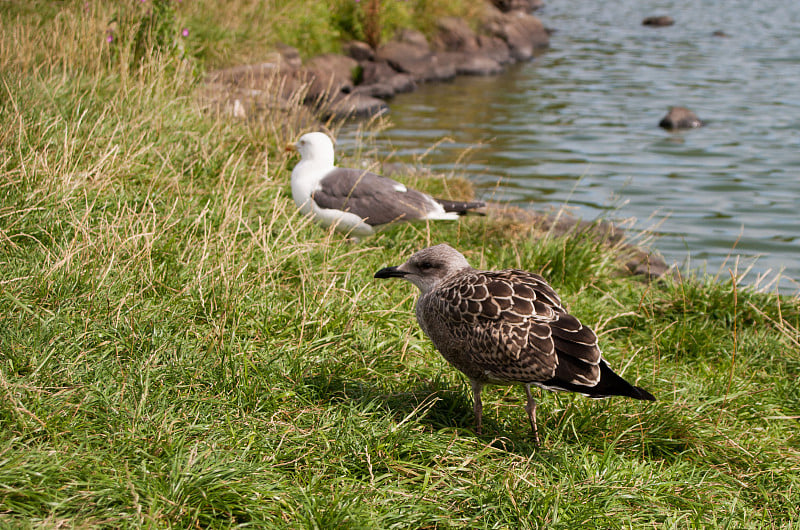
390	272
291	147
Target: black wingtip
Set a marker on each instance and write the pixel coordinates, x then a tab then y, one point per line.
610	384
613	385
462	207
643	394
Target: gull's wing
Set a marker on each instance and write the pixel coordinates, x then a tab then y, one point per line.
376	199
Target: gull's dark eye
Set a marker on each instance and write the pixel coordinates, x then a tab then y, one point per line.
425	265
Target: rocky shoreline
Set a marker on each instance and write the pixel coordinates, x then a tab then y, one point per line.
358	82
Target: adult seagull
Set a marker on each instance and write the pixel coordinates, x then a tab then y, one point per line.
354	201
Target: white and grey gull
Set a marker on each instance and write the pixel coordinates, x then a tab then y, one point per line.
506	327
355	201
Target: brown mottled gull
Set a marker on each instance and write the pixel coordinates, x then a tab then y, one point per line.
506	327
357	201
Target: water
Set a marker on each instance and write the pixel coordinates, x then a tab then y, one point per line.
578	126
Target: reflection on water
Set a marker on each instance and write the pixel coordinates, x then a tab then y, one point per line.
578	126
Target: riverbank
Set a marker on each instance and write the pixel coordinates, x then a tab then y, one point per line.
358	83
178	347
562	131
333	87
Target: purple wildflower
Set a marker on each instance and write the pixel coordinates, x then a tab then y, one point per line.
185	32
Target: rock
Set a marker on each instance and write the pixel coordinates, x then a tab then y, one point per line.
472	63
395	52
478	65
651	266
523	33
382	74
680	118
354	105
360	51
409	53
720	33
328	75
439	68
518	5
413	37
456	50
289	56
455	35
340	67
376	72
495	48
375	90
401	83
658	21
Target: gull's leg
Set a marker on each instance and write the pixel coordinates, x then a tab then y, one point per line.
530	408
476	394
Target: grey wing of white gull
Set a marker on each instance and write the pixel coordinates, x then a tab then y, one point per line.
378	200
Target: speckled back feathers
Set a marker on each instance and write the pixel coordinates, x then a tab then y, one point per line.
508	327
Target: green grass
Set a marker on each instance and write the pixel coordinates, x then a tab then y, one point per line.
179	348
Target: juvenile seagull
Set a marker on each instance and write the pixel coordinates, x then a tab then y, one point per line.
357	201
506	327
